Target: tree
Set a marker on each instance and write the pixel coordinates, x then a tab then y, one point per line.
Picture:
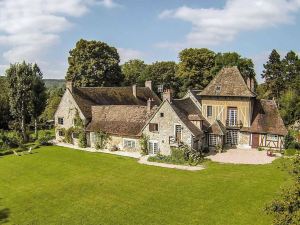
245	66
133	71
291	69
94	63
4	104
39	96
289	106
194	67
273	75
54	96
162	73
286	209
20	82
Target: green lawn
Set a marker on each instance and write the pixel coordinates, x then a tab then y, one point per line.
57	185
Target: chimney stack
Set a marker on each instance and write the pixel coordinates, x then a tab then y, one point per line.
250	84
149	105
167	95
134	91
69	85
148	84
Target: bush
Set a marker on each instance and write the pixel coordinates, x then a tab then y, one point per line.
144	144
82	142
114	148
178	154
290	152
288	140
45	138
260	149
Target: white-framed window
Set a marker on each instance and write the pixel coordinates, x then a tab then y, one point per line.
212	140
272	137
60	120
160	88
153	147
209	110
128	143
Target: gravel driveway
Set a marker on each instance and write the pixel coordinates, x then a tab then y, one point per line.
242	156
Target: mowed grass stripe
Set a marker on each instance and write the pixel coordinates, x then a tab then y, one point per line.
58	185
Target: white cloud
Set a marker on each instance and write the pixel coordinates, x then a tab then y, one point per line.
29	27
109	4
212	26
127	54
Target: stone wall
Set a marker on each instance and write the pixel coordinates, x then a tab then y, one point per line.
166	128
116	141
244	140
66	110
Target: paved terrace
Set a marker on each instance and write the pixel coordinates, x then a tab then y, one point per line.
242	156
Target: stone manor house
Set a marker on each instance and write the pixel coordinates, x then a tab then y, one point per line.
225	113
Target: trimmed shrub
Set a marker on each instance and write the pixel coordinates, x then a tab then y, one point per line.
45	138
290	152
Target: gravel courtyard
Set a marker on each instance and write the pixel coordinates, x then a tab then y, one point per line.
242	156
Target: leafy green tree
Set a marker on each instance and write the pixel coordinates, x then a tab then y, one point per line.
245	65
273	75
133	71
289	106
162	73
39	96
4	104
20	82
286	208
54	97
94	63
291	69
194	68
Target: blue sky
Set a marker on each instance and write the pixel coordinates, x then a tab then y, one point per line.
44	31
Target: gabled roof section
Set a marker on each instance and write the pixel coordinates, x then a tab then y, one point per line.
188	107
121	120
217	128
86	97
228	82
266	118
187	111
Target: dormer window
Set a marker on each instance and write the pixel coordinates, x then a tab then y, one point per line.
218	89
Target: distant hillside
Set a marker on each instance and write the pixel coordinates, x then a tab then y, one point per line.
50	83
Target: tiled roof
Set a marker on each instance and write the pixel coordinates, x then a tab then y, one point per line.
266	118
228	82
121	120
187	111
217	128
86	97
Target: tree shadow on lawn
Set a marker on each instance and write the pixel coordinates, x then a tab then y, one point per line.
4	214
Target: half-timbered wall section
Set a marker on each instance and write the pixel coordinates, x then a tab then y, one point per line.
220	107
271	141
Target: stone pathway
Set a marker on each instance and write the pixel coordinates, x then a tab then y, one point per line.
242	156
135	155
144	160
